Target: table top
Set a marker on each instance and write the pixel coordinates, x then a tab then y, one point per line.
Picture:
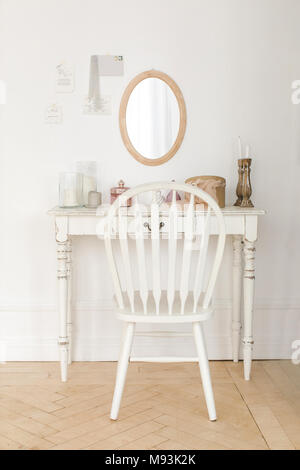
101	211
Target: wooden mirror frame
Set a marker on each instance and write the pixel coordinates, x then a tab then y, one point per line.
122	117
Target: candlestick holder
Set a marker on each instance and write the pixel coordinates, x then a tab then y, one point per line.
244	189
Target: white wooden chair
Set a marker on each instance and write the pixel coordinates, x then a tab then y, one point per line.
155	305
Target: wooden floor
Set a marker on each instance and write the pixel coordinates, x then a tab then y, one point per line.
163	407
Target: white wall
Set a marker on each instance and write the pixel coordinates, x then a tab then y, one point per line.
234	61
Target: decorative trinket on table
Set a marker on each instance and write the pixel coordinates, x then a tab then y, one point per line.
239	185
169	196
117	191
70	190
94	199
244	189
213	185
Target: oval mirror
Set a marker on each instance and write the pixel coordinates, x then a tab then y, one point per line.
152	118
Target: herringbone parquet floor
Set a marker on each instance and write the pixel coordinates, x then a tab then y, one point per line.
163	407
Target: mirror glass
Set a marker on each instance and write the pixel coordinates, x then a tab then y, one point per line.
152	118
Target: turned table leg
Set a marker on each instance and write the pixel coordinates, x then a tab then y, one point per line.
69	308
62	277
249	281
236	295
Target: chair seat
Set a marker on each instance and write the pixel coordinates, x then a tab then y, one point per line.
139	316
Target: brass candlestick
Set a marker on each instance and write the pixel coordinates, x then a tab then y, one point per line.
244	189
239	185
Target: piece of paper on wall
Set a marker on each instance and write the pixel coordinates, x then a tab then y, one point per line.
64	78
103	106
101	65
110	65
53	114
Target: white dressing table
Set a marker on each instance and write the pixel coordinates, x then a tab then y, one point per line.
241	224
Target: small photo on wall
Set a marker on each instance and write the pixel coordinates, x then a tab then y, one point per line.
53	114
64	78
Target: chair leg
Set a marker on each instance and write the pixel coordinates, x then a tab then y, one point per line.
122	369
204	371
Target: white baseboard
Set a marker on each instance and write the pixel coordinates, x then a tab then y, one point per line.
107	349
29	333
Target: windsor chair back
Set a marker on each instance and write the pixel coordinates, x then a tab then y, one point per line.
191	301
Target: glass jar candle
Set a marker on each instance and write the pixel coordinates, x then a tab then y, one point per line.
70	190
89	178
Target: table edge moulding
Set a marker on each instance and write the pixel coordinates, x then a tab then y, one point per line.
240	223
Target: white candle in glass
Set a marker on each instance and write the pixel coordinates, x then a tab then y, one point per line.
70	198
70	189
89	171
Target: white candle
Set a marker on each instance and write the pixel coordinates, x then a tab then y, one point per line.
247	151
240	147
70	198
